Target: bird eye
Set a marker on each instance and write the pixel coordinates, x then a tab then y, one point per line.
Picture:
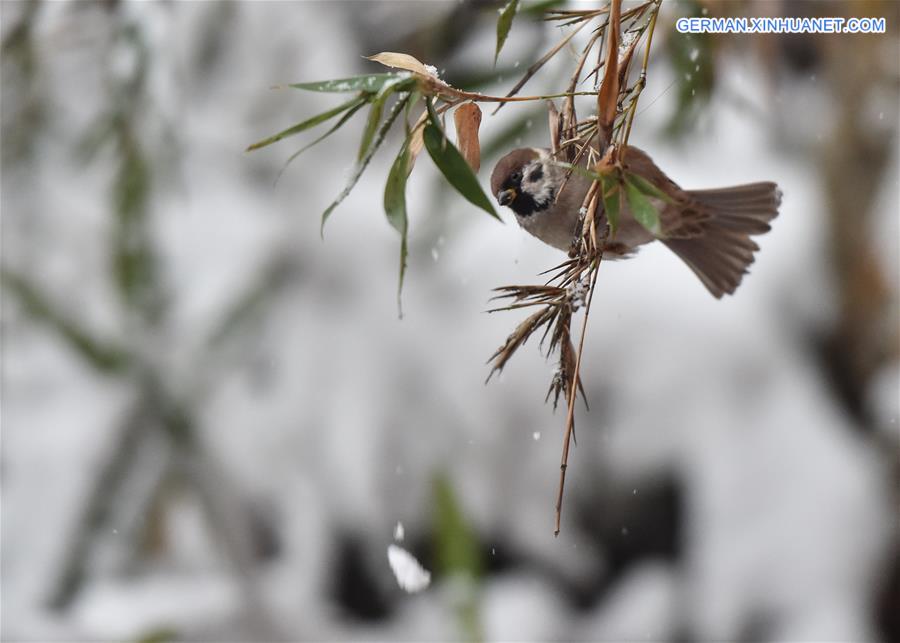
516	176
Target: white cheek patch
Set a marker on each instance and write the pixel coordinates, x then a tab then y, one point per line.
542	190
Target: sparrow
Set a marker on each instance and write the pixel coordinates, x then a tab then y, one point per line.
709	230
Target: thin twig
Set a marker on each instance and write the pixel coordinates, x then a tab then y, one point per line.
643	79
531	71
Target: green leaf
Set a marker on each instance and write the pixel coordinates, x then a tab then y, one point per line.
378	109
375	113
368	83
641	208
363	163
312	122
504	22
346	117
414	96
647	187
395	209
453	166
612	198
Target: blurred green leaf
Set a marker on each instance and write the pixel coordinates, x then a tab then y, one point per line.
159	635
612	198
641	208
538	8
311	122
395	208
364	162
104	357
248	307
368	83
457	547
453	166
504	22
133	258
458	554
693	64
647	187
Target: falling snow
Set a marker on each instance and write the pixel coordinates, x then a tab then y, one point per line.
410	575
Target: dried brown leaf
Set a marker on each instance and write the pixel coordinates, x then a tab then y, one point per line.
416	141
518	337
555	125
467	119
401	61
608	96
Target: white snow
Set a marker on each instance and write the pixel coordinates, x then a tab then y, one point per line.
410	575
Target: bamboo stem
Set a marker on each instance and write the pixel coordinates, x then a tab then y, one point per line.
573	390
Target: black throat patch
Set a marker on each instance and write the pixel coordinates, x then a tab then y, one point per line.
525	205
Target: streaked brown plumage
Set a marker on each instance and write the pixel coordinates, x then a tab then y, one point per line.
709	229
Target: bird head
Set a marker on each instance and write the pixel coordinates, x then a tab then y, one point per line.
526	181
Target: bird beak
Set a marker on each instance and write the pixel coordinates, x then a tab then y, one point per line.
505	197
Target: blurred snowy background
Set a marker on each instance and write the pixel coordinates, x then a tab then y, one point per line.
213	420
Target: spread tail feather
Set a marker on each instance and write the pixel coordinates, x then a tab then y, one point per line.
721	254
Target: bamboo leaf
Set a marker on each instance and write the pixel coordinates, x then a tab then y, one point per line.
364	162
609	88
378	109
368	83
307	124
457	547
401	61
641	208
647	187
612	198
457	553
504	23
395	209
467	119
453	166
346	117
375	113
